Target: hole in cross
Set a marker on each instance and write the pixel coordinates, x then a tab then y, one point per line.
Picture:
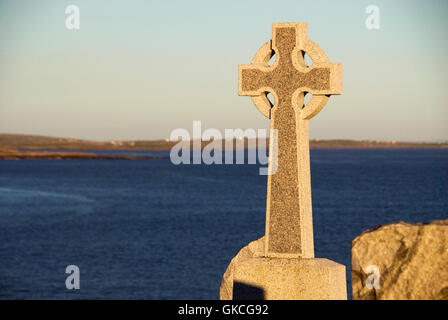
307	98
307	59
272	60
270	98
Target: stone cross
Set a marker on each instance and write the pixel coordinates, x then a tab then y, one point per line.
289	225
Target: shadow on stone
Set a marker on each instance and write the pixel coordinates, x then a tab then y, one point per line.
243	291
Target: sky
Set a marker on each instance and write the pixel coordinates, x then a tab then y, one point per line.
140	69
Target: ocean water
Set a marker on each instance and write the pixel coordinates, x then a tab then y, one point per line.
147	229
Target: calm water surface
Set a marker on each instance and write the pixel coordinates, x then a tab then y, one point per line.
151	230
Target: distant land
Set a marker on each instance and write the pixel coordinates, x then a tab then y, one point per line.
12	154
19	146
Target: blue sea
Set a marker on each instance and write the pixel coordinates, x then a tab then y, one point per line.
147	229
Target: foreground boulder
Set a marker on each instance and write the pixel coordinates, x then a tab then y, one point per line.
253	249
401	261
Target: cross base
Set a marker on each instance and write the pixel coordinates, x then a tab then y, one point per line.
250	276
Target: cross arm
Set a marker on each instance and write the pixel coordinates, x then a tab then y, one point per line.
252	80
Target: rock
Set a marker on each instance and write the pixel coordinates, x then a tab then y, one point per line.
253	249
409	260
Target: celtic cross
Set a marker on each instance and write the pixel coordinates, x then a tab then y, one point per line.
289	225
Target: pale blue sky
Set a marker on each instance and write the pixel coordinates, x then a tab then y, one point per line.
139	69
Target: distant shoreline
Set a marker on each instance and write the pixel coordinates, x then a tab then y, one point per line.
9	154
69	148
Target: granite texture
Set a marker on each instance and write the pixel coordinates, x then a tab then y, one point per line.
411	259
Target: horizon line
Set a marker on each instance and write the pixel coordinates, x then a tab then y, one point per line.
438	141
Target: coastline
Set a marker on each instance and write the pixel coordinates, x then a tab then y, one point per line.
11	154
34	142
16	147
